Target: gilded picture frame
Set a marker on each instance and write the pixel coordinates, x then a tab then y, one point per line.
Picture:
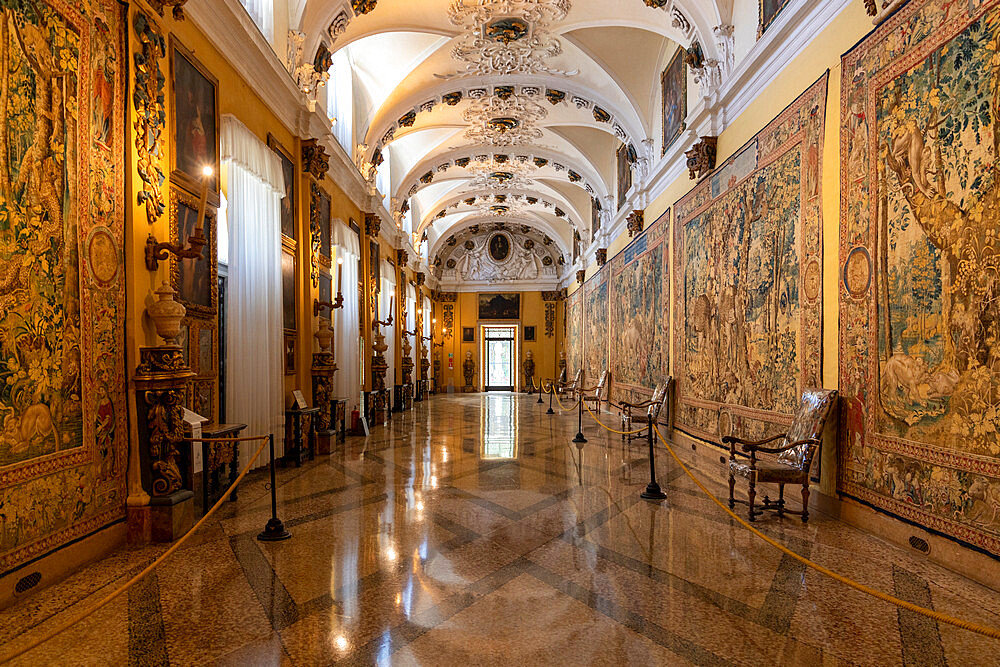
195	122
289	203
673	99
196	281
768	12
624	174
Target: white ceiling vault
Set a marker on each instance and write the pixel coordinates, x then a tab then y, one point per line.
509	110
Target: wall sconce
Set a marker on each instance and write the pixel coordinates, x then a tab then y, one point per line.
338	301
157	252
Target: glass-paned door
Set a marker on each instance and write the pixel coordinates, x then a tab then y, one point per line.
500	358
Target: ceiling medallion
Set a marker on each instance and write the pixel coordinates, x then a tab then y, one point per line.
514	176
506	36
504	122
501	176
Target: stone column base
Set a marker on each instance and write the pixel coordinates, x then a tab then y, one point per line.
165	519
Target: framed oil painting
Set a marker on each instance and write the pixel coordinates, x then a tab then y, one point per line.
325	230
529	334
195	119
290	353
206	356
288	305
288	226
673	85
769	10
374	264
500	306
195	280
624	170
468	334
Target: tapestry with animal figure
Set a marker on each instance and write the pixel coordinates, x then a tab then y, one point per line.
748	275
640	314
595	298
574	333
920	269
63	443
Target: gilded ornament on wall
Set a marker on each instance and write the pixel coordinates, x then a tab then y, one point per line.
150	111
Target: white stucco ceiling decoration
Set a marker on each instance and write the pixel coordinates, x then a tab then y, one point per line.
504	121
503	37
510	175
498	252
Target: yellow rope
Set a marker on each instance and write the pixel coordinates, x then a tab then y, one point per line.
608	428
134	580
559	401
917	609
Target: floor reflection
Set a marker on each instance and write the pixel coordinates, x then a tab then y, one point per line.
500	411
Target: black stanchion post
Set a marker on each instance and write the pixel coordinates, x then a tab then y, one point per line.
540	401
653	491
579	421
275	529
552	391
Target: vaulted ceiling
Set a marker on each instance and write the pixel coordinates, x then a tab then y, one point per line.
506	110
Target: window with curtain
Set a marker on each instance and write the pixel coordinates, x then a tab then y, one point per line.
262	13
254	186
411	325
346	334
385	296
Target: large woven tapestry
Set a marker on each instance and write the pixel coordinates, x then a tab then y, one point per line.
920	269
63	432
574	332
595	349
748	253
640	298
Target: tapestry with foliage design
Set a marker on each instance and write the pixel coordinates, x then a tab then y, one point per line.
920	269
63	428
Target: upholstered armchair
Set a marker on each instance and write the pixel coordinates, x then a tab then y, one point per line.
632	412
597	393
795	455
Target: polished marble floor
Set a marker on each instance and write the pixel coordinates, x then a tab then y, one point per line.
472	531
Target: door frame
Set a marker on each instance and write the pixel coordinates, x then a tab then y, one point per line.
515	354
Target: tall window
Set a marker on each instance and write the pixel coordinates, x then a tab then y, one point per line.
262	13
340	100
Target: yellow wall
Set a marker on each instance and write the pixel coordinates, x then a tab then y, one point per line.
544	348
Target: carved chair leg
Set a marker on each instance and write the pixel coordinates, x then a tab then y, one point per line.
805	501
752	493
732	486
781	499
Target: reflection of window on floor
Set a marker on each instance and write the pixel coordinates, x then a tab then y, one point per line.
499	421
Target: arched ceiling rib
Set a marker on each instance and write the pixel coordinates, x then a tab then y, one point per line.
553	87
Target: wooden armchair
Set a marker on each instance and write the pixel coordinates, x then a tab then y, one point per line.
570	387
632	412
798	447
597	393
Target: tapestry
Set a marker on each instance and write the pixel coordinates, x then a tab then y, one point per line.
574	332
640	298
673	91
748	276
595	303
920	270
63	443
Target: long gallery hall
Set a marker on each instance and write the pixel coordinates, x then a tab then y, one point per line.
500	332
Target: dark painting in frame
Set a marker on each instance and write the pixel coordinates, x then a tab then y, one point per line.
325	229
529	334
468	334
673	87
500	306
289	353
375	266
769	10
624	171
196	280
195	120
288	202
288	305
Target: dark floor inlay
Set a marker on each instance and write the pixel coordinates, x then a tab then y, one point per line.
147	644
921	637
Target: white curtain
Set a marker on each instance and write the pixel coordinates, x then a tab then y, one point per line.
262	13
411	325
347	346
254	370
387	294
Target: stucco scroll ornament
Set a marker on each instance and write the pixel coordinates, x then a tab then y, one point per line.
150	113
507	36
504	122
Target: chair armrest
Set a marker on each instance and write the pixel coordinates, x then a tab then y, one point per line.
643	404
778	450
749	444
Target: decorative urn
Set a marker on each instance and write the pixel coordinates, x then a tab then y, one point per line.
166	313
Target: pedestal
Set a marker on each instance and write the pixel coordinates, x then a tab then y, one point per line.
163	460
324	368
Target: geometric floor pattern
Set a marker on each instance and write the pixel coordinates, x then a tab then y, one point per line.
472	531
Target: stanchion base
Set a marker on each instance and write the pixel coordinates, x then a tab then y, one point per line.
579	438
539	399
274	531
550	411
653	492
